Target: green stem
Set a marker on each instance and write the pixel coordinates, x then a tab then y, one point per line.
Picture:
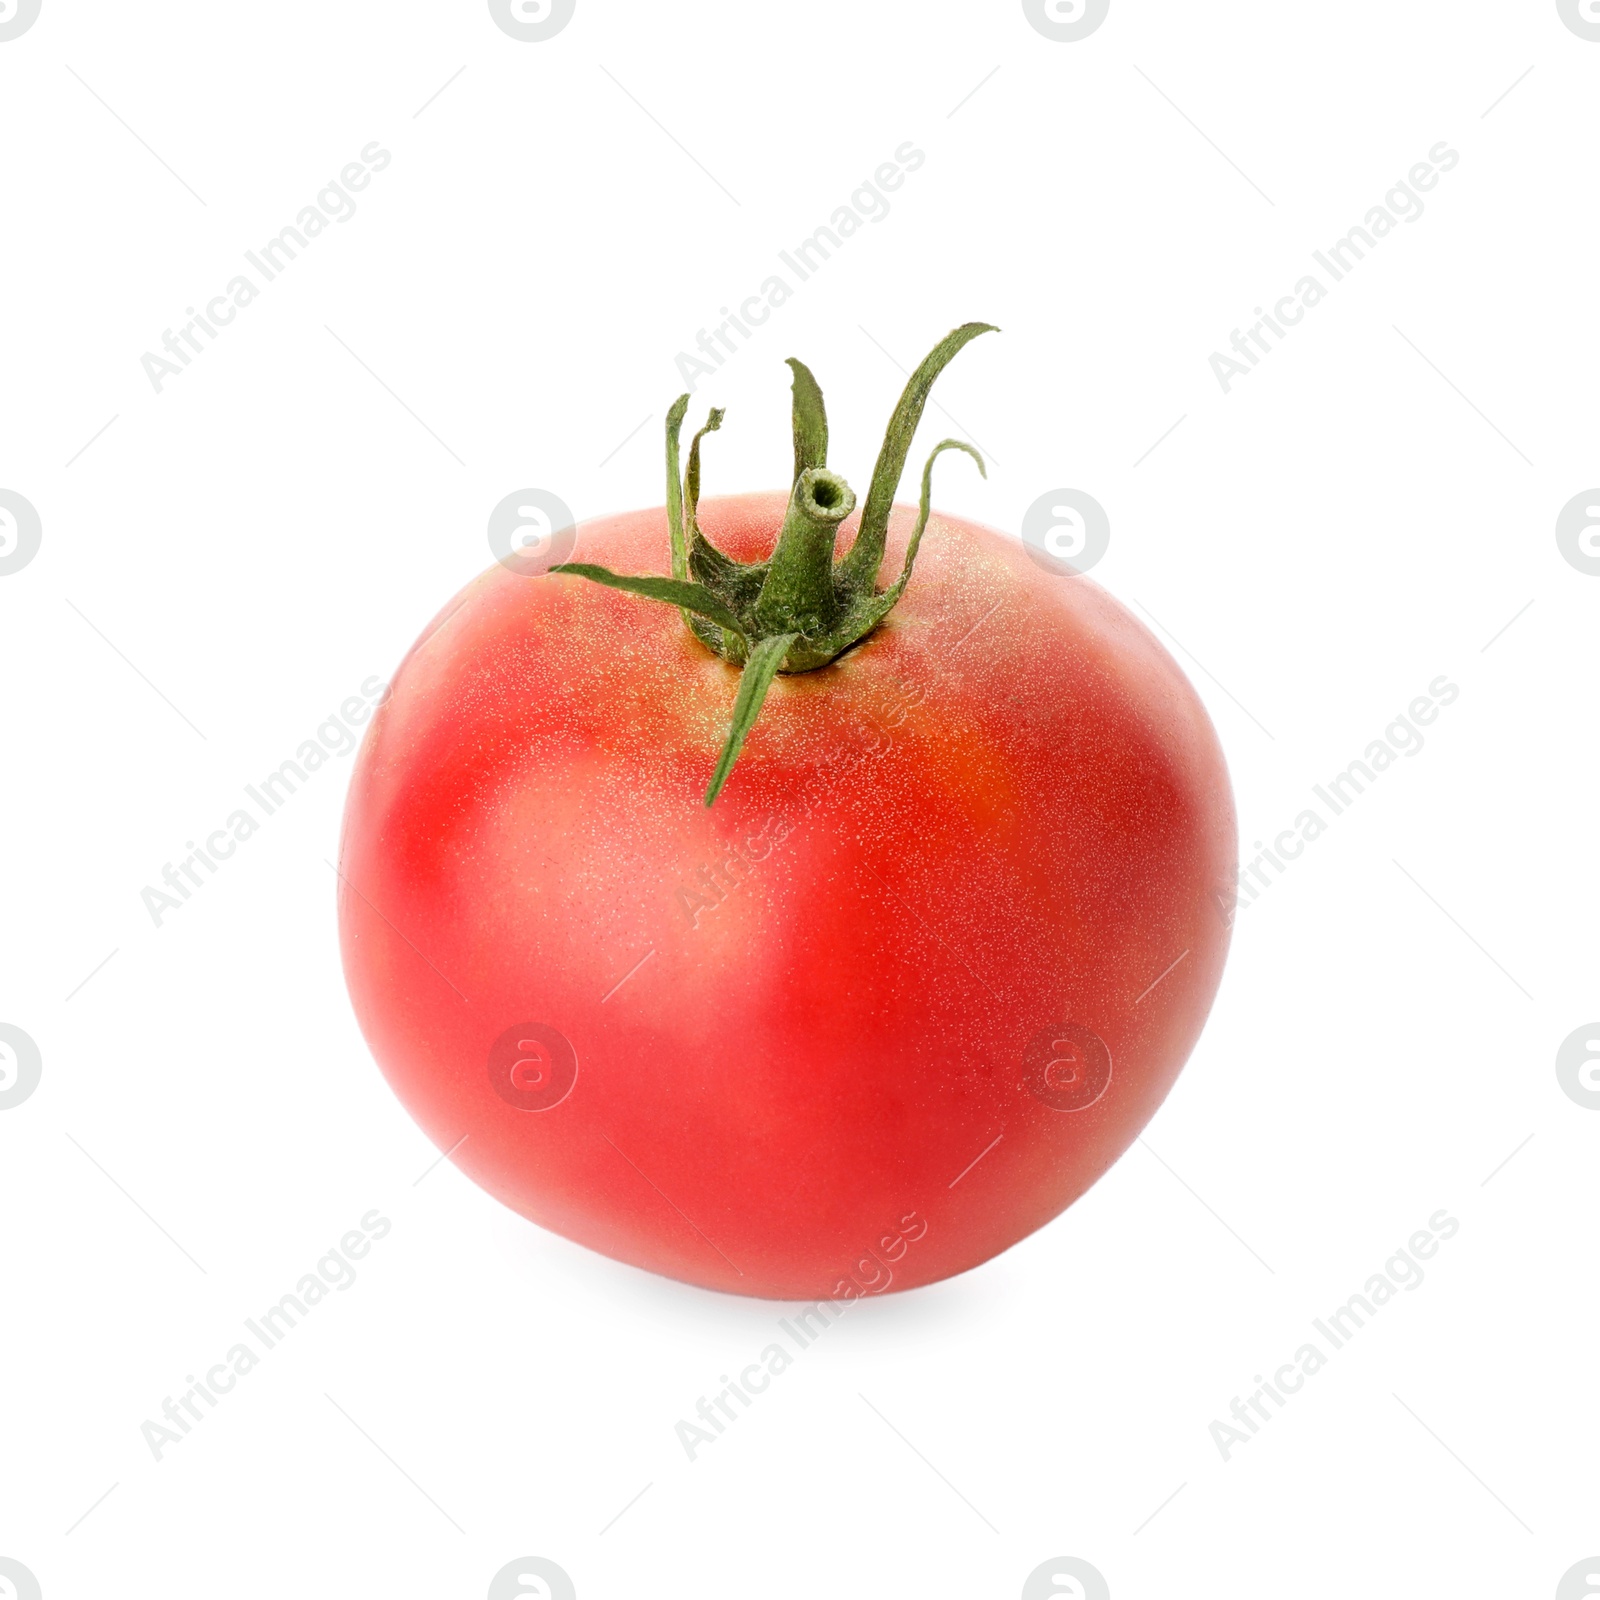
686	596
810	420
798	593
860	567
757	678
680	545
801	609
924	510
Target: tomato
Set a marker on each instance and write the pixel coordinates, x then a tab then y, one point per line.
913	983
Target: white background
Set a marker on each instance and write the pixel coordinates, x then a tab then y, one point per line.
1369	509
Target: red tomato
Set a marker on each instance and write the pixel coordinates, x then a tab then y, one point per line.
916	980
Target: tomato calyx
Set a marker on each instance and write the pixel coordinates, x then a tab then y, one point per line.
799	609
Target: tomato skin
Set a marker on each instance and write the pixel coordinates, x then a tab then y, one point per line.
801	1015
